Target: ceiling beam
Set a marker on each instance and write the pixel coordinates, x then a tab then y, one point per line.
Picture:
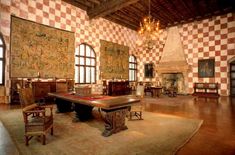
76	4
126	18
108	7
95	1
86	3
120	21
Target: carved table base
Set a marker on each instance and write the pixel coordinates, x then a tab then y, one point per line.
114	121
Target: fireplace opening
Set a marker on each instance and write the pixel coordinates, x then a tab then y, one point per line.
173	81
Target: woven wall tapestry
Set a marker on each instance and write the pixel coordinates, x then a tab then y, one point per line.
114	60
39	49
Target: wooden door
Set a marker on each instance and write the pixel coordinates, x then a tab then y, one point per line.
232	78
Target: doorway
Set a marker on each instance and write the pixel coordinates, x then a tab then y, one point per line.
232	78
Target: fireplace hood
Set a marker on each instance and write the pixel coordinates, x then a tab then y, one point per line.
173	58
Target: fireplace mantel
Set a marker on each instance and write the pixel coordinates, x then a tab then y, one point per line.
172	67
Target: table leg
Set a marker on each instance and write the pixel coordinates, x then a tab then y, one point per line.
63	106
114	121
83	112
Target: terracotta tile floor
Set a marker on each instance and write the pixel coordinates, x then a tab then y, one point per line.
215	137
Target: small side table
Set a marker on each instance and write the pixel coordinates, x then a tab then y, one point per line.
156	91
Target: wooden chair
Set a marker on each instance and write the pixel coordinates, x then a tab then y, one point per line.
61	87
105	87
148	89
36	118
135	112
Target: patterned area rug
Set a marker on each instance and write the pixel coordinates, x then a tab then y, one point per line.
157	134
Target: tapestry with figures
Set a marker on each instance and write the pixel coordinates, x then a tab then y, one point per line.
40	50
114	60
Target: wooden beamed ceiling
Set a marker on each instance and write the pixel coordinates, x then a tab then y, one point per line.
130	13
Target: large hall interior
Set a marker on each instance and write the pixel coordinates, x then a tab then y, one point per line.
149	77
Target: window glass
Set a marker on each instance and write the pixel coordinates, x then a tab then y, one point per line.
81	75
2	61
76	74
88	75
92	62
76	51
76	60
93	75
88	61
1	52
92	53
233	75
85	64
82	50
88	51
132	68
82	61
1	71
233	68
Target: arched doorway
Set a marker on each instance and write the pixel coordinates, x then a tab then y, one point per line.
232	77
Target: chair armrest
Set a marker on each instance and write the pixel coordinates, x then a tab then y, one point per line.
34	111
47	106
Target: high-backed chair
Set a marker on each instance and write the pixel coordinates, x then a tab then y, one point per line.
61	87
62	105
38	119
135	112
148	89
105	87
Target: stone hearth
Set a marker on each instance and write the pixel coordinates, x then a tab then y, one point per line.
173	63
175	80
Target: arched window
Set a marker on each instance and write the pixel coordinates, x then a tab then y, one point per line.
85	65
132	68
2	60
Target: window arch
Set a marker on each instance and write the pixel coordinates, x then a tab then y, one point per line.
132	68
85	65
2	60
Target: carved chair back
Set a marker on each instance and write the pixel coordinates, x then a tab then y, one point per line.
26	97
61	87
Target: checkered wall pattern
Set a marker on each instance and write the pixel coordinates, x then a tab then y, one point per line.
58	14
210	38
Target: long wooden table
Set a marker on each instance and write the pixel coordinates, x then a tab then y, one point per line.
115	108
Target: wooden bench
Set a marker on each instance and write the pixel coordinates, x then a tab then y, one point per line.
207	90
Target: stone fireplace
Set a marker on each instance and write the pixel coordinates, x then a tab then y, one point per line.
173	67
175	80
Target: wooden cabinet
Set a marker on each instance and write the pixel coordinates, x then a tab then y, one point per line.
118	88
232	79
40	88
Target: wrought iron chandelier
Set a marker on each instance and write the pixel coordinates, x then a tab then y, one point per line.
150	30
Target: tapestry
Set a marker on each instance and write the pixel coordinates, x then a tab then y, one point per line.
114	60
40	51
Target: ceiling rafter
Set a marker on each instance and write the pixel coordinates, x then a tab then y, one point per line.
161	13
177	7
88	4
76	4
166	6
95	1
117	19
131	20
130	13
108	7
